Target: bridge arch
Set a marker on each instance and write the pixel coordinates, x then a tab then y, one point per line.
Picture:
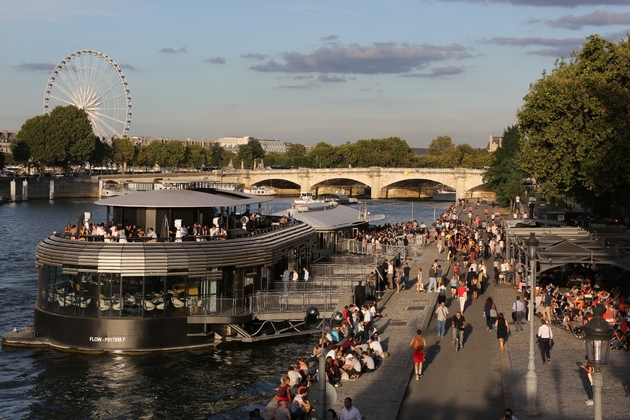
380	180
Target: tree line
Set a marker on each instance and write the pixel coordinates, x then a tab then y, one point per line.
64	138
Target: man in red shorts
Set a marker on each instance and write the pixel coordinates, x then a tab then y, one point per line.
419	344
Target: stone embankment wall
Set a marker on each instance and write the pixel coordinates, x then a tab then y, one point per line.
39	188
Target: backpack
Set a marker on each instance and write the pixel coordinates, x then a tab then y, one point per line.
418	344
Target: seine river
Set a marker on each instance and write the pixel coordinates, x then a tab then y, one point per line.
214	383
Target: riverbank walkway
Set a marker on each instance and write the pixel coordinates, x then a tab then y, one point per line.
479	381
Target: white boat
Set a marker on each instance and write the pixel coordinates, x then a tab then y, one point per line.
306	197
261	191
338	198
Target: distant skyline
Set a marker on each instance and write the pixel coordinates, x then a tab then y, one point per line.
305	71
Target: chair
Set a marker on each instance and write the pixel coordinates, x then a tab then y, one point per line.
148	306
104	305
177	303
85	303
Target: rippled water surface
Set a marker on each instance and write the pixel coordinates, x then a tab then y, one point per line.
214	383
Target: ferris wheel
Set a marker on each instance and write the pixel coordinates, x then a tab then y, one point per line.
92	81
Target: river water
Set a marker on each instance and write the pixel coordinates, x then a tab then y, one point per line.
220	384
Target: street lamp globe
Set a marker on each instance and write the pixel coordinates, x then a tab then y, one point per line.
532	245
598	334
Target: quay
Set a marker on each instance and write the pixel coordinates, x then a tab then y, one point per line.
479	381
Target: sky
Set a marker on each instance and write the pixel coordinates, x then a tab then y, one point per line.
305	71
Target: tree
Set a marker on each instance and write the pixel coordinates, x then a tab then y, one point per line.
144	157
216	154
62	138
123	152
257	150
442	153
575	127
175	153
324	155
196	156
158	150
244	156
20	150
2	160
505	174
296	150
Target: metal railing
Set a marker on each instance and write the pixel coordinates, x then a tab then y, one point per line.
354	247
279	302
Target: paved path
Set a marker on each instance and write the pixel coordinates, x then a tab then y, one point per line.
479	381
462	385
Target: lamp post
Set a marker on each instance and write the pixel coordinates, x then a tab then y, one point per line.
321	398
598	334
531	380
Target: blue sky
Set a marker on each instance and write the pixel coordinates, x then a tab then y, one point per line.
305	71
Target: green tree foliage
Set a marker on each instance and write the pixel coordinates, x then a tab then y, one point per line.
575	126
244	156
123	152
324	155
20	150
256	148
175	153
196	156
62	138
505	174
296	150
102	154
144	156
445	154
216	154
158	150
2	160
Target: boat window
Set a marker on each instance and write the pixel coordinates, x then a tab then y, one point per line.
109	297
131	301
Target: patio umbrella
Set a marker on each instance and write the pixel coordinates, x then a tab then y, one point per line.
80	224
164	234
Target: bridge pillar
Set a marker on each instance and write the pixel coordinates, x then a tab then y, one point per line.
305	179
460	184
375	184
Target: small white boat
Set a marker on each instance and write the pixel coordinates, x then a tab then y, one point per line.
305	198
261	191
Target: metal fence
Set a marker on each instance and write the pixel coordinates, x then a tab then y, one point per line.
279	302
400	251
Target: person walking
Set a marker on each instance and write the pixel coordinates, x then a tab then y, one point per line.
432	278
519	308
441	314
348	412
419	344
589	374
459	324
419	284
503	328
490	313
406	270
545	337
462	295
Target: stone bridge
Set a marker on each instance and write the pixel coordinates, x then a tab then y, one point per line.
379	180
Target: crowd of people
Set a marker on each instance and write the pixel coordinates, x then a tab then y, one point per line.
351	349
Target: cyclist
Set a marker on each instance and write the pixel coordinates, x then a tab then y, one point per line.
458	324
